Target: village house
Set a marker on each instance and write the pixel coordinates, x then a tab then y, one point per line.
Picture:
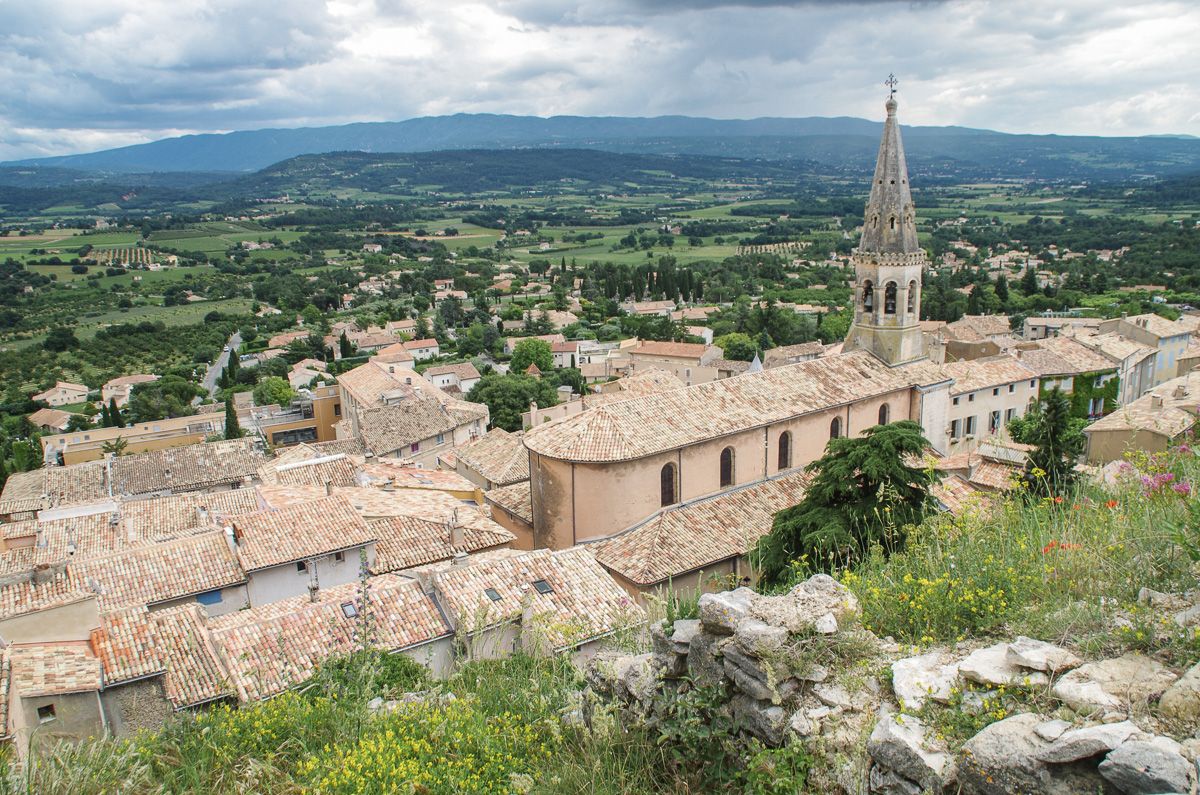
422	349
645	308
1089	377
119	389
454	377
566	354
52	420
690	362
987	394
63	393
1134	361
1040	327
1152	423
1169	339
498	458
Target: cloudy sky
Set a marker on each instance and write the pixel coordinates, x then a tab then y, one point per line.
81	75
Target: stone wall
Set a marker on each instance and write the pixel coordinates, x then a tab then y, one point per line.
799	668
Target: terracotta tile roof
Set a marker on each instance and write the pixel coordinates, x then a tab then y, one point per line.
1170	417
368	383
957	495
23	492
678	350
1157	325
353	446
381	471
407	541
785	353
54	669
338	468
153	573
393	354
583	601
498	456
988	372
188	468
653	423
135	643
23	595
413	345
465	371
975	328
994	475
300	531
50	418
389	429
278	645
704	532
730	366
166	517
129	380
515	499
1078	357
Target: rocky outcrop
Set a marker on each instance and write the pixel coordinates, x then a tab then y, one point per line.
773	665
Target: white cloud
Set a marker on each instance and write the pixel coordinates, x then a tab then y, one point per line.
77	75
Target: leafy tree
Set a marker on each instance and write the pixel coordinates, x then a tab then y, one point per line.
60	338
273	390
117	446
233	430
169	396
24	458
862	493
531	351
1059	442
78	422
737	346
508	397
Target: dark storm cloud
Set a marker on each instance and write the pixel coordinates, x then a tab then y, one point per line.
78	75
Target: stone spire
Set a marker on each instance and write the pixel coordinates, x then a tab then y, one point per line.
888	262
889	222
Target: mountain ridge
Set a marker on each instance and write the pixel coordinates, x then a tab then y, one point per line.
836	140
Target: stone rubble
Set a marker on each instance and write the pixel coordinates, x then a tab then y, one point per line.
756	650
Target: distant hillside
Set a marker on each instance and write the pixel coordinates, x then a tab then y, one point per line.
835	143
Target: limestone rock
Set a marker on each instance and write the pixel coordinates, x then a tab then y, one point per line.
899	744
1088	741
758	637
636	678
802	725
669	656
887	782
704	659
1038	655
1189	617
683	631
1181	700
1166	601
801	608
833	695
1145	768
1051	730
1002	759
720	612
931	675
1113	685
764	720
748	684
991	666
826	625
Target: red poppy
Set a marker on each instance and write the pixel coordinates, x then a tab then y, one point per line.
1058	500
1111	504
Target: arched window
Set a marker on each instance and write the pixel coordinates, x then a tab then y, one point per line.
835	428
889	299
727	467
868	296
667	484
912	297
892	221
883	414
785	450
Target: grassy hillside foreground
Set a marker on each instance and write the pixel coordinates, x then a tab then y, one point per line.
1066	570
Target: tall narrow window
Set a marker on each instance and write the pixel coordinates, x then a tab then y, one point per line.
785	450
892	221
889	299
883	414
667	484
727	467
835	428
868	296
912	297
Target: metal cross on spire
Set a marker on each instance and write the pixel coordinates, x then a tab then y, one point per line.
891	83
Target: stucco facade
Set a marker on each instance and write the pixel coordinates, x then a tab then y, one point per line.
289	579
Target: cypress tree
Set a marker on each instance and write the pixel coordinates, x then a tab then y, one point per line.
232	429
114	414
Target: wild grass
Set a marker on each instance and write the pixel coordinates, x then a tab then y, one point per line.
1064	568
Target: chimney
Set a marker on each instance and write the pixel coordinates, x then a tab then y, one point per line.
230	537
202	515
1156	401
456	531
314	590
1180	392
329	488
459	559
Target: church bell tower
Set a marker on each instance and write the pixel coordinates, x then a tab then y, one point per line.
888	262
